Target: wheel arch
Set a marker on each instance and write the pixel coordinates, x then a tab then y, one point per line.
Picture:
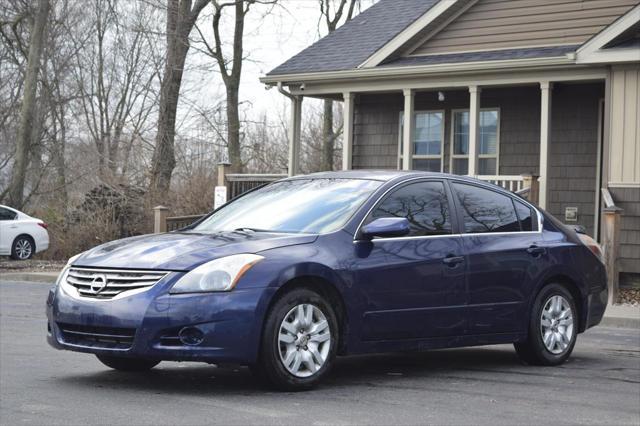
24	234
573	287
326	288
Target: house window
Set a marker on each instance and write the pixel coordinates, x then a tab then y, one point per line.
488	143
428	137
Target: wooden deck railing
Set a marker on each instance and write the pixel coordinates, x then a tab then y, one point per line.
236	184
523	185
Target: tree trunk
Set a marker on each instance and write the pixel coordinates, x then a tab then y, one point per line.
328	136
58	157
233	129
180	20
23	143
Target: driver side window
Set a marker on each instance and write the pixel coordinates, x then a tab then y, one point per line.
423	204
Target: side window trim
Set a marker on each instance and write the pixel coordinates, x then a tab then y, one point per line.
460	217
400	185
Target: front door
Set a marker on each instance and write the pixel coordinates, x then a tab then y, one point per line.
413	286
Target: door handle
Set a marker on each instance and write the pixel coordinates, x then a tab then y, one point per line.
452	261
536	251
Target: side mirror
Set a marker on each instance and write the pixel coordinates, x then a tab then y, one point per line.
386	227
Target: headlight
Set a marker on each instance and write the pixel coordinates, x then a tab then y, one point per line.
218	275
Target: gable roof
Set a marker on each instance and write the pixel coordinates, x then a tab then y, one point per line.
354	42
616	43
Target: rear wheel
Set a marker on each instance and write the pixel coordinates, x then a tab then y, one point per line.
127	364
552	328
22	248
299	342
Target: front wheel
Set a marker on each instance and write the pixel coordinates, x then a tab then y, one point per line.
127	364
552	328
300	341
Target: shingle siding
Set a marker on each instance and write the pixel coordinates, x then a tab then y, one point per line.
375	131
629	200
573	150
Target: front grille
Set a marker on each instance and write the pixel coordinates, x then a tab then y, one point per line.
97	337
109	283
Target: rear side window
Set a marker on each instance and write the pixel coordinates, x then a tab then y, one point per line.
527	216
485	211
6	214
424	204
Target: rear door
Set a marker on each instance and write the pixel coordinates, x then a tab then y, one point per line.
503	249
413	286
8	229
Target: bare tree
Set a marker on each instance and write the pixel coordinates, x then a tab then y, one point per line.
115	75
230	67
181	17
23	146
329	135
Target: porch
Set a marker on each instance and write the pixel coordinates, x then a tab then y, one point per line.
503	133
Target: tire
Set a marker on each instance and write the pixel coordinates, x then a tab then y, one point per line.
127	364
22	248
550	339
296	356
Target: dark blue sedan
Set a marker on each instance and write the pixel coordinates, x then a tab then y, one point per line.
289	276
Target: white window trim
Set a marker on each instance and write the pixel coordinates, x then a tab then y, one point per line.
422	157
453	156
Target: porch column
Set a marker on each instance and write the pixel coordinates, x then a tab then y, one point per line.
408	128
474	119
545	129
294	135
347	134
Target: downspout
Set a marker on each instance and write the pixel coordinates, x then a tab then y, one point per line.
294	130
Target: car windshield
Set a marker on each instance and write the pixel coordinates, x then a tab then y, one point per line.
300	205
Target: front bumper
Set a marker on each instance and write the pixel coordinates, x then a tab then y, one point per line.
148	324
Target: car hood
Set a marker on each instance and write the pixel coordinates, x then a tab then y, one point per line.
183	251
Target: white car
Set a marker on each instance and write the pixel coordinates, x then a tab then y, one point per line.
21	236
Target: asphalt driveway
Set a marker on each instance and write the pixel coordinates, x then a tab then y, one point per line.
485	385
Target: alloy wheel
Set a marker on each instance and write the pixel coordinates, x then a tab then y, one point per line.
304	340
556	324
23	249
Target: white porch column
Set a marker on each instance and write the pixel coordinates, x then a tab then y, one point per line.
294	135
408	128
347	133
474	119
545	129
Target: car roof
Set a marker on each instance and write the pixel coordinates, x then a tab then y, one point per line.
380	175
384	175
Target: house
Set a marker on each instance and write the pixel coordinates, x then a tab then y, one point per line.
496	89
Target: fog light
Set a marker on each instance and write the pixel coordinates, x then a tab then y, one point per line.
191	336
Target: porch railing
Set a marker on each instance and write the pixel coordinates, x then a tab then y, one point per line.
611	242
523	185
237	184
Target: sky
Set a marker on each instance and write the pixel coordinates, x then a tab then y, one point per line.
270	39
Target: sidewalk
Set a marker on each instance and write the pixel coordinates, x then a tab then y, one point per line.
626	316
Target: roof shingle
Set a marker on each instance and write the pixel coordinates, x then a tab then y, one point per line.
354	42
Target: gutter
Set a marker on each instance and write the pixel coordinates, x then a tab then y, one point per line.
419	70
